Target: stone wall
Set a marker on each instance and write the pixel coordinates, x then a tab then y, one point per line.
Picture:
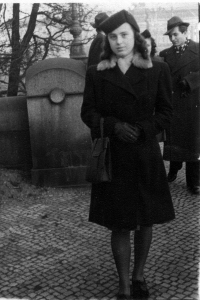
14	133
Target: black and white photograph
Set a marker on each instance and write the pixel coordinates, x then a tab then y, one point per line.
100	150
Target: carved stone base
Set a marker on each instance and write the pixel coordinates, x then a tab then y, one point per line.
59	177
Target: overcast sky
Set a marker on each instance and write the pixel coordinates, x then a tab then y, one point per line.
115	5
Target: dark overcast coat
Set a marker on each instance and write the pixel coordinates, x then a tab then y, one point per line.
183	138
139	192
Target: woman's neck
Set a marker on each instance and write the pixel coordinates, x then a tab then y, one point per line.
128	58
125	62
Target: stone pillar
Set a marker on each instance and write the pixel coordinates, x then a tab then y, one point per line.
60	141
77	48
147	18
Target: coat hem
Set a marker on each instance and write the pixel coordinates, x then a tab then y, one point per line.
131	228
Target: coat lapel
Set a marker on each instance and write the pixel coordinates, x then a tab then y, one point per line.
171	59
116	77
183	60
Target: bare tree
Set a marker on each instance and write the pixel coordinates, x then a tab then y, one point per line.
1	5
19	48
32	36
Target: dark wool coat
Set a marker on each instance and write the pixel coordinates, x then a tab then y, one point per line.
139	192
183	138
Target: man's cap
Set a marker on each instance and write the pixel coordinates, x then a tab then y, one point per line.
146	34
117	20
98	19
174	22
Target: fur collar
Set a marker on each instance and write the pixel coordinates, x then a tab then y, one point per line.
137	61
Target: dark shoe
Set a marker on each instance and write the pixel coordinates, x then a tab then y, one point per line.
139	289
194	190
123	297
171	176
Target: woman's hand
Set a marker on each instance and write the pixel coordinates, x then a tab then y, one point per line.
126	132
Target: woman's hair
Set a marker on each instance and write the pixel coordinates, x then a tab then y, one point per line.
147	35
140	46
153	47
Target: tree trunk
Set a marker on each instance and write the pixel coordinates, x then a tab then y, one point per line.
19	49
15	58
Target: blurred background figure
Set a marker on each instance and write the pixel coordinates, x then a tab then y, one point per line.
96	45
151	46
182	139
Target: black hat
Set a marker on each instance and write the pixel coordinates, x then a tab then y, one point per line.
174	22
98	19
146	34
117	20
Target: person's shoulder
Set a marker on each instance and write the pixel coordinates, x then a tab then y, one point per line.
194	46
160	64
193	43
164	52
92	69
157	58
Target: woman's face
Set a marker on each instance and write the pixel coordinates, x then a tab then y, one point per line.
122	40
148	44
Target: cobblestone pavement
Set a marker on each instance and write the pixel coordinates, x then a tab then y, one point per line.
49	250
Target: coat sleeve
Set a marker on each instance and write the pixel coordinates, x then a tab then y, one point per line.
89	114
90	110
163	106
162	54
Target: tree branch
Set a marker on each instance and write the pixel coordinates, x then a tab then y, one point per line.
31	27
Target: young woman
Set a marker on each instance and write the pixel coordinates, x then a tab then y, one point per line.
133	95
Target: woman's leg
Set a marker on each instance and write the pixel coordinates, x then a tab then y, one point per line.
142	242
121	248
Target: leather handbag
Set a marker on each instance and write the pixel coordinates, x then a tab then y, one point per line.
100	168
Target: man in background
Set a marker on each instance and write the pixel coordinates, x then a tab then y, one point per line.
182	140
96	45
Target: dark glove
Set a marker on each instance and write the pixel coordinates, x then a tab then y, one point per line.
185	88
126	132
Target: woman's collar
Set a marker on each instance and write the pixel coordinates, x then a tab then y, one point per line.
138	61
